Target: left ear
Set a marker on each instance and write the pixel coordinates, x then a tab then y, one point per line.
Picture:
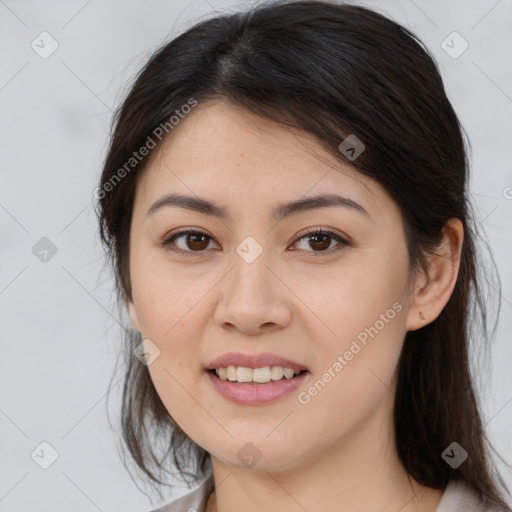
434	290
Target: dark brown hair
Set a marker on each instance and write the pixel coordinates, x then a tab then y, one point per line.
331	70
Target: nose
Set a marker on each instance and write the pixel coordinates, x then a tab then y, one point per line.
253	298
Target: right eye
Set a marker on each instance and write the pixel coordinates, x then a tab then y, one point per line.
192	241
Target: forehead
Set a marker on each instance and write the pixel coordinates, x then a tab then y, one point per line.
223	151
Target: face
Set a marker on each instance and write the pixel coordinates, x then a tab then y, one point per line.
325	287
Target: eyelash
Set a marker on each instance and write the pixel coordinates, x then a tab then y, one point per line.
178	234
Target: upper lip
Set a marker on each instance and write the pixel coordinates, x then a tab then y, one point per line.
253	361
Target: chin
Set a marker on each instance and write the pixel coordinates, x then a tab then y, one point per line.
259	455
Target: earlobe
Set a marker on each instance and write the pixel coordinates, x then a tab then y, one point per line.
435	290
420	311
133	316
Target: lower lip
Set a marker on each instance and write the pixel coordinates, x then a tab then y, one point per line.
255	394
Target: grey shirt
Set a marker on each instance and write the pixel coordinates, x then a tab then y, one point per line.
457	497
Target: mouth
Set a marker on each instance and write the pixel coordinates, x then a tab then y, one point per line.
253	379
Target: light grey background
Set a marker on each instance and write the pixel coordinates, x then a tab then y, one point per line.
59	333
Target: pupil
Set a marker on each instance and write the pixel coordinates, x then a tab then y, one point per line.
191	239
323	245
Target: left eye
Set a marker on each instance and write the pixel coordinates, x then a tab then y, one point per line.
197	241
321	240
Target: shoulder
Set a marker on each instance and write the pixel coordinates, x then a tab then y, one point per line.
459	497
194	501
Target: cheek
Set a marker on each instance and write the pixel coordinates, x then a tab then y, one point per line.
363	327
170	314
355	383
168	298
366	291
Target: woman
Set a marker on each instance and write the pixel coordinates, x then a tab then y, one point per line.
285	205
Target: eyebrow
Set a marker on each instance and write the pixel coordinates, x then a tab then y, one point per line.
279	212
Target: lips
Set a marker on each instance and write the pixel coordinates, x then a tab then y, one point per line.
253	361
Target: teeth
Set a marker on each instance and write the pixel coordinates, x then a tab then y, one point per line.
259	375
276	372
231	373
288	373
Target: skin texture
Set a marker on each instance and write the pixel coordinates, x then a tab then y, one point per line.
337	452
